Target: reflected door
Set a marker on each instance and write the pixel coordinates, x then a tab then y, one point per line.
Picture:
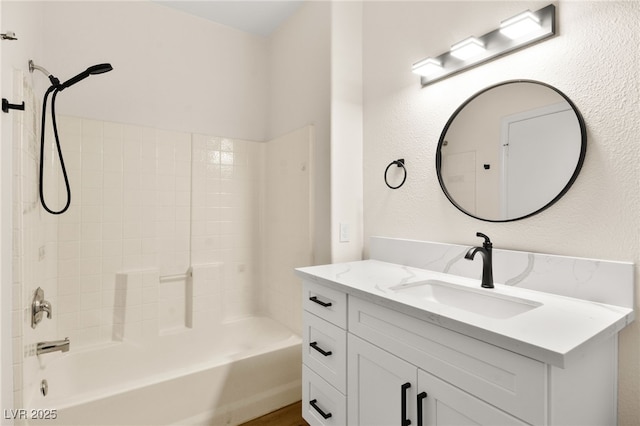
537	146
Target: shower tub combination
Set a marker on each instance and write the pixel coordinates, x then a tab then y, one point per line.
181	362
224	376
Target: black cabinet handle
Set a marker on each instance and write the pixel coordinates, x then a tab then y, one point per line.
421	396
404	421
315	346
320	302
322	413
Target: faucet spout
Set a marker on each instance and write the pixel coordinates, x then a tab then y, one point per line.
471	253
53	346
487	262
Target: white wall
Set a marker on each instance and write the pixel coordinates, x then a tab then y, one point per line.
593	60
171	70
299	94
315	78
346	131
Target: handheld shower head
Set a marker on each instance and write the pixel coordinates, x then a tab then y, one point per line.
95	69
99	69
53	90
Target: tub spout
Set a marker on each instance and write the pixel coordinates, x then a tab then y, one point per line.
53	346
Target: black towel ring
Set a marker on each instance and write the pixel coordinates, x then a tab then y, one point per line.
399	163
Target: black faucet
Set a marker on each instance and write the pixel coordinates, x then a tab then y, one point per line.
485	251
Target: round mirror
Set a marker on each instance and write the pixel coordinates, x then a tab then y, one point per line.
511	151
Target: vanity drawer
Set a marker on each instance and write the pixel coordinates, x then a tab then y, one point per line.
324	350
327	303
509	381
322	404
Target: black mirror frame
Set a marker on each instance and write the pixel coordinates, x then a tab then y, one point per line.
574	176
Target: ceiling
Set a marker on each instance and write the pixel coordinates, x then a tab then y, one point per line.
255	17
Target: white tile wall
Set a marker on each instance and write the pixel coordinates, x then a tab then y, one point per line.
130	210
227	183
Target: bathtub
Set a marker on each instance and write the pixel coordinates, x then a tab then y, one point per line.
225	376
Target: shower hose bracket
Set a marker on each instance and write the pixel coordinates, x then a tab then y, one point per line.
6	106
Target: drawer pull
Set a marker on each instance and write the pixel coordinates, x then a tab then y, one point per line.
322	413
421	396
320	302
315	346
404	421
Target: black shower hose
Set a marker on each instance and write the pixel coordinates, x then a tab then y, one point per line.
55	91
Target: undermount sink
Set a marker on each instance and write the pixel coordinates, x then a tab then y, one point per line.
479	301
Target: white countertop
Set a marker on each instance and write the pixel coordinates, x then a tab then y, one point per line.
555	332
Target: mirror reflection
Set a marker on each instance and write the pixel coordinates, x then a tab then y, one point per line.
511	151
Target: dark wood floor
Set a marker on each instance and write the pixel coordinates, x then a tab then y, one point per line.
291	415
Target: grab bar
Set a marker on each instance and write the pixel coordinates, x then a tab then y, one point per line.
176	277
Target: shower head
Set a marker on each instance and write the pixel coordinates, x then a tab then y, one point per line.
96	69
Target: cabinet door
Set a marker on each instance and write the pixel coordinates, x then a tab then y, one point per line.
322	404
381	387
445	404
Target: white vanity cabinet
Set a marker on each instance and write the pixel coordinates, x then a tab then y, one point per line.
389	368
439	377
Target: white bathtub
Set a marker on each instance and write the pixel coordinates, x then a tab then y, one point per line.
225	376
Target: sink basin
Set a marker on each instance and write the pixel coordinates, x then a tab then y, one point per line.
479	301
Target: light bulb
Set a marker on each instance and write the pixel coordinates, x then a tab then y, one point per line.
427	67
467	48
520	25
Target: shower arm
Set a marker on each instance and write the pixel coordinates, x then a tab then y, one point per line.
33	66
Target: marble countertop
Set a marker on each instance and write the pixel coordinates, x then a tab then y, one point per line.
555	332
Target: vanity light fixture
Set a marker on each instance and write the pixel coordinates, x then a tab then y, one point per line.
514	33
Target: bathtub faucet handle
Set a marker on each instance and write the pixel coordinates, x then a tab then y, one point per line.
45	306
38	307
